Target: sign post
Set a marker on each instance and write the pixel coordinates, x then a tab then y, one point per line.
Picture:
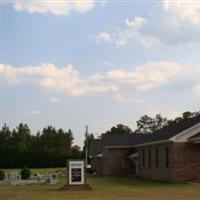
76	173
76	176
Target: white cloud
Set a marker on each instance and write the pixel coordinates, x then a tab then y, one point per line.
97	77
55	100
173	22
124	98
132	31
105	37
150	75
180	23
49	76
186	10
35	112
53	7
145	77
136	22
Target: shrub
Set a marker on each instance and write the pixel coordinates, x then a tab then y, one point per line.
25	173
2	175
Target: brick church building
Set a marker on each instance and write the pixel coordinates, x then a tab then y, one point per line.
170	154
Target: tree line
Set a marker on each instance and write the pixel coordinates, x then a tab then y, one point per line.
48	148
147	124
52	147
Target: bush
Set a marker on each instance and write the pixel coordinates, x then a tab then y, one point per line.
2	175
25	173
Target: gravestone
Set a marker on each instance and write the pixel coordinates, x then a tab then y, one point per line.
76	176
13	177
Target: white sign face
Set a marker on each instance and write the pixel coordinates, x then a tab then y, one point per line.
76	172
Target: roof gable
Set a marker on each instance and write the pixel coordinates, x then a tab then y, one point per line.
196	136
186	134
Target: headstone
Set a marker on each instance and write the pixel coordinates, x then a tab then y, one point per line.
6	176
50	179
12	178
38	177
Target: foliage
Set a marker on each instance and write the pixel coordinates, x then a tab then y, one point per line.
51	147
48	148
87	142
147	124
25	173
186	115
2	175
120	129
75	152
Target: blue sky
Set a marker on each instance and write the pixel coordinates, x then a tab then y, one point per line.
72	63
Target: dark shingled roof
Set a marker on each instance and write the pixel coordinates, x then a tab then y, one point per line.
122	140
172	130
162	134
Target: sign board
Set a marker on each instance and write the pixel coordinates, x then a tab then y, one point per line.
76	173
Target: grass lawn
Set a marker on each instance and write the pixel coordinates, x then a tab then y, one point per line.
108	188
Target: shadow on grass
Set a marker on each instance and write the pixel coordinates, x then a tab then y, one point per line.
129	181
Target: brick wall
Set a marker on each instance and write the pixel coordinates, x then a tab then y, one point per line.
152	169
183	162
96	164
186	161
115	163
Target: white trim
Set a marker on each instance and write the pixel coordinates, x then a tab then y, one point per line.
195	140
134	155
186	134
152	143
122	147
99	155
139	145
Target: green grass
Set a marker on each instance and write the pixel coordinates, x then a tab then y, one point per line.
104	188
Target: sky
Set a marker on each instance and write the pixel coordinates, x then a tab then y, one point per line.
99	63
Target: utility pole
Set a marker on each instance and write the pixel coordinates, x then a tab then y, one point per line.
86	146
